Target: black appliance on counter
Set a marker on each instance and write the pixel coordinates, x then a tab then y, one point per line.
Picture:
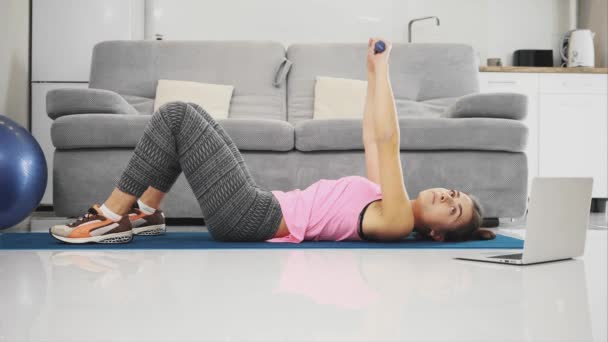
536	58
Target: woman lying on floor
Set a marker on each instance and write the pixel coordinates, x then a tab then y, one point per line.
182	137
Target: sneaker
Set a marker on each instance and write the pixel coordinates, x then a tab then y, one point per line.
147	224
94	227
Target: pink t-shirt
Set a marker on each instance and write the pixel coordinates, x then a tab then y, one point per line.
326	210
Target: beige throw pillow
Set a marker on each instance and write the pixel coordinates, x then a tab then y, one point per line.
214	98
339	98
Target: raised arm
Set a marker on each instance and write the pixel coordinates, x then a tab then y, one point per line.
386	125
369	137
397	212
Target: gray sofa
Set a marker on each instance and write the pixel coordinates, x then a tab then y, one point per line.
451	135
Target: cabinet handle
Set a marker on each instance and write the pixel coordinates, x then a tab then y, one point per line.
580	85
502	82
579	105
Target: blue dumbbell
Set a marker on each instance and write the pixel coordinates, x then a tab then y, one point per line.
379	47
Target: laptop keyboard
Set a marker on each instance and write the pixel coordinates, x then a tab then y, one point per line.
509	256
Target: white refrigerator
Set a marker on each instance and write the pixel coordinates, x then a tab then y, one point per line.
63	35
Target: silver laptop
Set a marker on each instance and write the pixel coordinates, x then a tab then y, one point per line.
556	228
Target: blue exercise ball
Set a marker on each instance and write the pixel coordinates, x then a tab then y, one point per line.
23	173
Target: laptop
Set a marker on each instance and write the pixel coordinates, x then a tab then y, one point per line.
556	228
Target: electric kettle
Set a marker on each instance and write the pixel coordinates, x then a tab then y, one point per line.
577	49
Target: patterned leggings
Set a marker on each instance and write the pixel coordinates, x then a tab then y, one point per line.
184	137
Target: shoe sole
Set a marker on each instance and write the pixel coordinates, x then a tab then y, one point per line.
158	229
122	237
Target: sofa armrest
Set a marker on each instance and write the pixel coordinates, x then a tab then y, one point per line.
489	105
65	101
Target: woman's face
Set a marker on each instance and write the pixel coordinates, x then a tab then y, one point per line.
439	210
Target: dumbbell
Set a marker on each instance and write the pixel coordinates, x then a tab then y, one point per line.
379	47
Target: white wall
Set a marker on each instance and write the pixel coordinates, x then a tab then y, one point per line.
14	56
495	28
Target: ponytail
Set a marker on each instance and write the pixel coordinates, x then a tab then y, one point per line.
482	234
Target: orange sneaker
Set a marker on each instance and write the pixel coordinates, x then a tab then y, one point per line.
94	227
147	224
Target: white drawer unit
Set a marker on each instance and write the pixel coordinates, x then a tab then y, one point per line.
568	123
573	133
573	83
573	138
508	82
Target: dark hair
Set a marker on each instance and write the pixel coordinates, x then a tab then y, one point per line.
468	230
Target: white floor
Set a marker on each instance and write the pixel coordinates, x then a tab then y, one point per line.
301	295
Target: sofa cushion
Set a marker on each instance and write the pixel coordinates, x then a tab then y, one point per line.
66	101
339	98
489	105
143	105
418	72
133	67
214	98
116	131
417	134
427	109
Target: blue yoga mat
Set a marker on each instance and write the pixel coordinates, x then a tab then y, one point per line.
202	240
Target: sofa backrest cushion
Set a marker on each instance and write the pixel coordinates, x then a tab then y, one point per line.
133	68
418	72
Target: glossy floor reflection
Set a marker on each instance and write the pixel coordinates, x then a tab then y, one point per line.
300	295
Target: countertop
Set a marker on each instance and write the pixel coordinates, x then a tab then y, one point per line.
577	70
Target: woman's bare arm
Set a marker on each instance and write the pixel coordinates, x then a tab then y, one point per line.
369	138
386	126
368	120
396	207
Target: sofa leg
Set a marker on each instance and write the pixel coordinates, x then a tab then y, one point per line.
185	221
598	205
490	222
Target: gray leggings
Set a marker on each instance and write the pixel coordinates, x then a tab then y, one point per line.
184	137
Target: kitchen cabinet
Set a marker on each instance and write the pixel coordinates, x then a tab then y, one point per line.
567	121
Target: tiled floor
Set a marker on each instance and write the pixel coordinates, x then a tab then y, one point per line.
300	295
